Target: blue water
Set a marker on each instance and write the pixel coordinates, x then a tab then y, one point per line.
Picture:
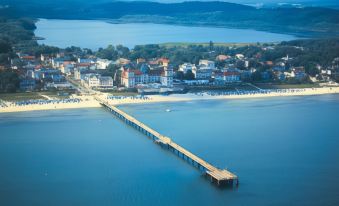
95	34
284	150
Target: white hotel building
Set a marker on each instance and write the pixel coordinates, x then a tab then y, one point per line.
96	81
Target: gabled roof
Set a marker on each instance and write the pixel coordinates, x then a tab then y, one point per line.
227	73
136	72
84	64
28	57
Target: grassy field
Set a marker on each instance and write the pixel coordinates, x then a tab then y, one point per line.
30	95
285	86
115	93
20	96
229	87
248	87
186	44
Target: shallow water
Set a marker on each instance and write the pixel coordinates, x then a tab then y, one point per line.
284	151
95	34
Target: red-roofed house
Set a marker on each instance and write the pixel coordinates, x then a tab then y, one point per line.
37	67
222	57
227	76
131	77
163	61
28	58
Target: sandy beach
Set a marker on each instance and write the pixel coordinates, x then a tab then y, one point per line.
86	102
90	101
205	96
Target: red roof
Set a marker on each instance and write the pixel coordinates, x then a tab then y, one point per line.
222	57
227	73
67	62
38	67
231	73
136	72
84	64
269	63
153	62
28	57
164	60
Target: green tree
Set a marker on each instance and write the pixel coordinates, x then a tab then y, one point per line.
211	45
5	46
189	75
9	81
256	76
180	75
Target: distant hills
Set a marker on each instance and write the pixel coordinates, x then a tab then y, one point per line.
309	21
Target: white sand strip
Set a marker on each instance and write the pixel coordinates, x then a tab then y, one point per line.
89	101
86	102
204	96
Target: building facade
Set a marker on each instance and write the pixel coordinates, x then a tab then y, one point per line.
96	81
163	74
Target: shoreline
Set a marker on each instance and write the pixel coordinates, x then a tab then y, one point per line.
204	96
274	37
86	102
90	102
149	19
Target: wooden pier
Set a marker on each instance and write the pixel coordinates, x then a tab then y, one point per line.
220	177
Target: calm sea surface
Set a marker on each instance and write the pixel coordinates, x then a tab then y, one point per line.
94	34
285	151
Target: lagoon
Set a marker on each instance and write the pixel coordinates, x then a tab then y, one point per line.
284	150
94	34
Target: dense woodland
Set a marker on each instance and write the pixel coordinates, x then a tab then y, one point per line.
14	34
308	21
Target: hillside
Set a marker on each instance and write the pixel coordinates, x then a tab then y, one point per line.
310	21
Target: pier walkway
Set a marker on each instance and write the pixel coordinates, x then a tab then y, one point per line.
220	177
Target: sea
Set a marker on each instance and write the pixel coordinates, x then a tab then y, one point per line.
95	34
283	149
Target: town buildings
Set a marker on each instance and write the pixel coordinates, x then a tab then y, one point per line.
202	71
157	73
96	81
297	73
187	67
227	76
103	63
27	84
162	74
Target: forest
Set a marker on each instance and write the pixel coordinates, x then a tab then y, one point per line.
307	21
